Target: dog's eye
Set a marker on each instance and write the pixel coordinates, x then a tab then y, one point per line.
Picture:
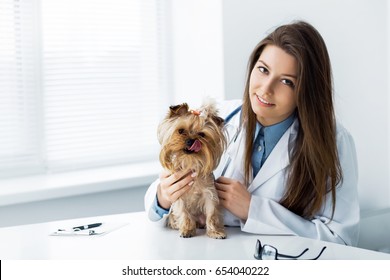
201	134
181	131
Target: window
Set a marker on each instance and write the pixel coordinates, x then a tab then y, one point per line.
81	83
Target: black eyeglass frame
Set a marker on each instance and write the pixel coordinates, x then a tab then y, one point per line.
260	248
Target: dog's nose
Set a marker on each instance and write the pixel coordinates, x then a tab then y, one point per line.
189	142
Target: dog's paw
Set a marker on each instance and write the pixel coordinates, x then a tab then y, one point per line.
216	234
187	234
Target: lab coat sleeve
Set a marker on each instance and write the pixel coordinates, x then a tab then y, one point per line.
267	216
149	199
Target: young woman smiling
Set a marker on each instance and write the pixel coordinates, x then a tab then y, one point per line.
290	167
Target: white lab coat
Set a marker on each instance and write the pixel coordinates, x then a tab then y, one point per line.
266	215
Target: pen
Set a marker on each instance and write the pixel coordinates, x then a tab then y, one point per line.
86	226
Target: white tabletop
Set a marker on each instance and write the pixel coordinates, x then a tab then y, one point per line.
140	239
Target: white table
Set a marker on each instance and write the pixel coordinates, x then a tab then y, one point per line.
141	239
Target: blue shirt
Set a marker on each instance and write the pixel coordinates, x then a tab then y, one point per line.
266	138
158	209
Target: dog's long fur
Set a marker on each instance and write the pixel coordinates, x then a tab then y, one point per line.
194	141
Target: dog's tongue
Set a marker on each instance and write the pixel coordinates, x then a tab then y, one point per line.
196	146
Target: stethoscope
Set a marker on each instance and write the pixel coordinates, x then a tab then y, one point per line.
233	139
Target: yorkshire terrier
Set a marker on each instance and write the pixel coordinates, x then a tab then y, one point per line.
193	141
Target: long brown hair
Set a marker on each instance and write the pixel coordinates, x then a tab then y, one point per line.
314	167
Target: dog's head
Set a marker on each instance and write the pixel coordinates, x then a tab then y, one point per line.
191	139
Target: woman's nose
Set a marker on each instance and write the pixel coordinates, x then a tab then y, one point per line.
267	86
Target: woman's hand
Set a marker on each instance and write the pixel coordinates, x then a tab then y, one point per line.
234	196
172	186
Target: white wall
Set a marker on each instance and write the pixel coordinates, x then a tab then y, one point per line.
73	207
197	50
356	33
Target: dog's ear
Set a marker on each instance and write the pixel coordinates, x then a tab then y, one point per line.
178	110
218	120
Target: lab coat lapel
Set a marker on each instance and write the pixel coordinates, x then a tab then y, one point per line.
277	160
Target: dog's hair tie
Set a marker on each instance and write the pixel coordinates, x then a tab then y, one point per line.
201	114
195	112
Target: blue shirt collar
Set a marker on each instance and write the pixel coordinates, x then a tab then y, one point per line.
273	133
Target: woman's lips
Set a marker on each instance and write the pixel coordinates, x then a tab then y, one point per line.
264	102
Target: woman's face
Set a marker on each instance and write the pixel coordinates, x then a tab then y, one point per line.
271	86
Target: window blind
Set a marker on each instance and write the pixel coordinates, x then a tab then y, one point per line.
19	89
102	81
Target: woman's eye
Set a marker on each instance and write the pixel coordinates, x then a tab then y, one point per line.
181	131
288	83
201	134
263	69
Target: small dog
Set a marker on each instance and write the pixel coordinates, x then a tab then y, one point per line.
194	140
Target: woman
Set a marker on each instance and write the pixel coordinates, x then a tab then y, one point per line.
290	168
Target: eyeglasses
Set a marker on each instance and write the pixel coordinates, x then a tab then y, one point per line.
268	252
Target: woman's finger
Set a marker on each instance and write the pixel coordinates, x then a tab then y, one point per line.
165	174
175	177
176	195
221	187
179	185
221	194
